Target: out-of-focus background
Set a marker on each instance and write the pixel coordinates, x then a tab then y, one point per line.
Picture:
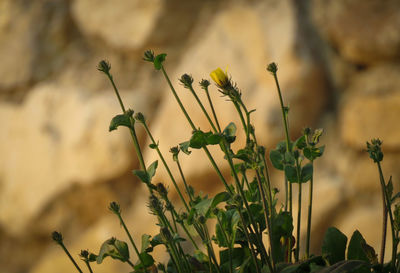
339	67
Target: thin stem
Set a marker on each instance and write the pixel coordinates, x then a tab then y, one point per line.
88	266
389	210
245	127
286	193
212	109
70	257
194	128
211	249
130	263
203	109
166	166
184	180
132	242
132	129
298	212
266	216
310	200
284	115
228	242
253	255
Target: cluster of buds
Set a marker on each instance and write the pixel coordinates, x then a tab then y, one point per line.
374	150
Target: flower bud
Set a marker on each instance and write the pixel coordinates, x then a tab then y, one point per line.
162	191
57	237
104	66
272	67
204	84
140	117
84	254
115	208
148	56
187	81
219	77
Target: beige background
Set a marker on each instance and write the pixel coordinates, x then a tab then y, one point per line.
339	66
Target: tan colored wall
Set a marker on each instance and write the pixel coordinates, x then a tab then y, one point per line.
339	66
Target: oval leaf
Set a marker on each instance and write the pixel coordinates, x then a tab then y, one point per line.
334	245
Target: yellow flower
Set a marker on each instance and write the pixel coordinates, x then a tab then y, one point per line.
219	77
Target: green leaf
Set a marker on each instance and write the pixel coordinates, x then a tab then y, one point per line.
219	198
115	249
230	132
153	146
151	170
300	143
389	188
120	120
158	60
238	256
355	250
147	261
146	245
122	249
203	206
291	173
276	159
306	173
334	245
184	147
142	175
282	226
198	140
214	139
311	153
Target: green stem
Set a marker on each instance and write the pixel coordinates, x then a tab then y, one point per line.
284	115
245	127
132	242
88	266
166	166
253	255
267	218
194	128
70	257
212	109
228	242
184	180
389	210
298	213
132	129
210	248
310	200
203	109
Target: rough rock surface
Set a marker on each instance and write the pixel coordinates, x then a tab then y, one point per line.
339	68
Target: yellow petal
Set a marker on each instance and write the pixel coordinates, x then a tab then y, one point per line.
219	77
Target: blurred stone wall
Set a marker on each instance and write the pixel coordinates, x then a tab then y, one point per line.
339	68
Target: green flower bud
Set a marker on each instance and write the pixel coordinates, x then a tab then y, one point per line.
204	84
162	190
374	150
104	66
115	208
148	56
140	117
155	205
272	67
57	237
187	81
84	254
